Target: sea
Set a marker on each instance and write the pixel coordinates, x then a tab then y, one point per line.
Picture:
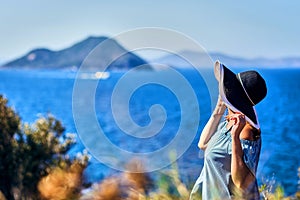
150	113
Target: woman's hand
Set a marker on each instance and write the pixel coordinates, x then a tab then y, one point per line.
220	102
238	122
220	107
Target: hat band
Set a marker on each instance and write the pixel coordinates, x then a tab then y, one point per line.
245	89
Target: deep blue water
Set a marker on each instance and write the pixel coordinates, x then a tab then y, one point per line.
34	93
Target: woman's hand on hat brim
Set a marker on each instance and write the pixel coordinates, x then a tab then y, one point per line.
238	122
220	107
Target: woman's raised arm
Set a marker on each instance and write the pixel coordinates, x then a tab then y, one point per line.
212	124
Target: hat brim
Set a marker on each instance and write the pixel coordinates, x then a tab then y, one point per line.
233	95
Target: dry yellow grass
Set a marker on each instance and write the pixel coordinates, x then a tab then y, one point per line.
62	184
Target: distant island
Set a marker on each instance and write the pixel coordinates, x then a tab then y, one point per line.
71	58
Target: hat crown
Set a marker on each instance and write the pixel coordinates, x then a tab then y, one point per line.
254	85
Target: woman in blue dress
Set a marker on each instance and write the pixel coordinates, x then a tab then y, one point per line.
232	143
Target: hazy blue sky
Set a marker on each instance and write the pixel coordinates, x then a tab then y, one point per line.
269	28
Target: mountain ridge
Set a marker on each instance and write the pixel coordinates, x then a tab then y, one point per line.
73	56
204	59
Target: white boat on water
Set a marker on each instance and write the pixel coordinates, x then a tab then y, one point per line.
94	75
102	75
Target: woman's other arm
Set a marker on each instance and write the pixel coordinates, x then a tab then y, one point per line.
240	173
212	124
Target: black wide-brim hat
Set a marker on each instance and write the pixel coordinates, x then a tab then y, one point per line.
241	92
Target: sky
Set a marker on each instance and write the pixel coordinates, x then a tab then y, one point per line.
251	29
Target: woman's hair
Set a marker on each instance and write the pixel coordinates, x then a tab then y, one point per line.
256	132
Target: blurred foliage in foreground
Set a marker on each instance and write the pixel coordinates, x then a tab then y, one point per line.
34	164
30	152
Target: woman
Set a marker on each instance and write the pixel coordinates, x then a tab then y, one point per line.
232	146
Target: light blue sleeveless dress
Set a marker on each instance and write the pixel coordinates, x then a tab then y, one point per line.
215	177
